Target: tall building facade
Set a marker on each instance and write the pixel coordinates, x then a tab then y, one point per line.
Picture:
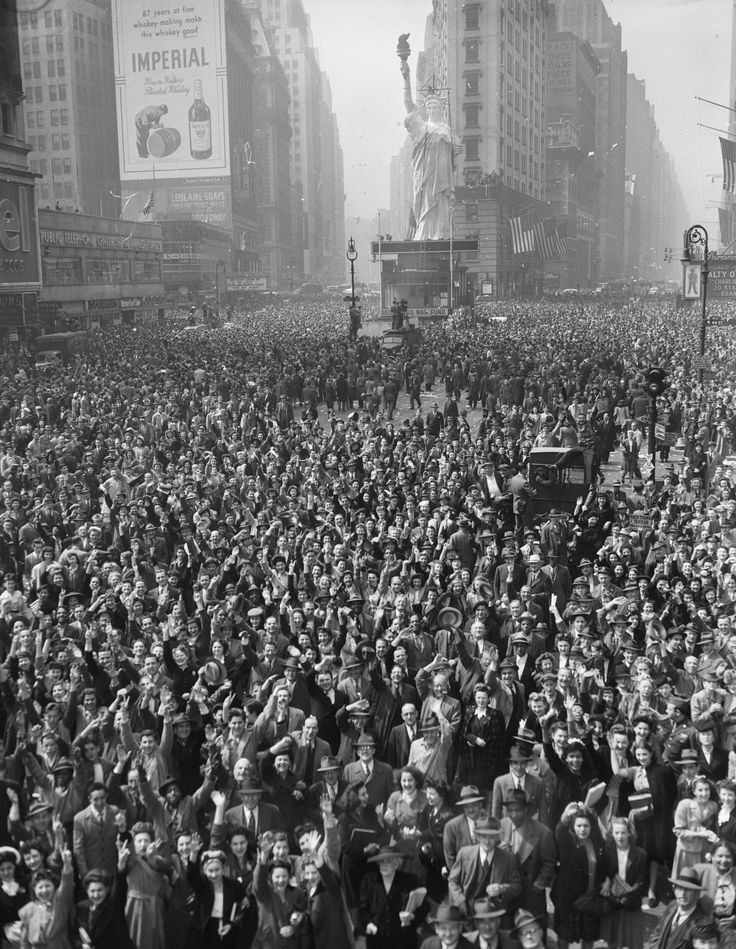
589	20
571	184
20	267
655	208
69	86
271	154
313	140
488	61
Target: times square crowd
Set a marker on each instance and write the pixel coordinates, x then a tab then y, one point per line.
284	665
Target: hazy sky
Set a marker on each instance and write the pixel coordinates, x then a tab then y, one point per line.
680	47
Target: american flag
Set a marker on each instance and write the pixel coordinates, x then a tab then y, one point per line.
548	241
724	217
522	233
728	154
149	206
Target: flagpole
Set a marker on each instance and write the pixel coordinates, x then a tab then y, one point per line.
711	102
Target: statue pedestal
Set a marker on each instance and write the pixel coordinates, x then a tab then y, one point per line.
420	273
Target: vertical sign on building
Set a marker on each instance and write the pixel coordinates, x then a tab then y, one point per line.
171	87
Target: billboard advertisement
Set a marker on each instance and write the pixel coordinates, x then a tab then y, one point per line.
19	250
171	89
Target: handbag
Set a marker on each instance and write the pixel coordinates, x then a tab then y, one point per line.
595	904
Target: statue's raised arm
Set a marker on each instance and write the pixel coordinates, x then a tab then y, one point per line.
402	51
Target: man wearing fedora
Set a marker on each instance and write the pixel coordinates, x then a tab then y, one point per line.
252	812
519	778
676	925
448	926
460	831
488	934
377	775
308	751
483	869
329	786
533	845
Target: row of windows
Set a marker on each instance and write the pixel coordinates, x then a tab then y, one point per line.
56	93
38	119
54	68
78	24
59	190
59	142
59	166
51	18
70	270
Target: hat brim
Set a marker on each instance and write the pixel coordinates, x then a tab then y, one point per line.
489	914
476	799
685	885
527	922
376	858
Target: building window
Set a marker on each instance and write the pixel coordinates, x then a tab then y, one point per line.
472	116
471	212
65	140
42	143
64	115
36	46
51	68
54	116
52	93
37	70
471	51
58	21
472	84
55	142
60	68
56	167
472	144
472	17
67	166
27	70
68	189
31	120
58	271
40	120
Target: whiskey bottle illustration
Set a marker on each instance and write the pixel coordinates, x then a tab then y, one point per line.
200	125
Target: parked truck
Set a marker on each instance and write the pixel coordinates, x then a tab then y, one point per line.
60	348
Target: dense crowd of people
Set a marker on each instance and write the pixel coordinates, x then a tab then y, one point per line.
284	665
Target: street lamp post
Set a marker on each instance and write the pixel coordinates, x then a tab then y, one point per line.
352	256
695	236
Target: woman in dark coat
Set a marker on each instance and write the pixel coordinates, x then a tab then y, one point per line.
573	776
432	822
329	923
102	914
361	835
215	932
653	824
625	927
482	742
383	899
581	872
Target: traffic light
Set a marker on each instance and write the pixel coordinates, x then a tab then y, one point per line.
656	381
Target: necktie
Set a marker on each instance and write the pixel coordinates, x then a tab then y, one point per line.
310	762
251	824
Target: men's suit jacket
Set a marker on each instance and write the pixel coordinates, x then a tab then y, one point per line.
94	842
465	876
537	856
667	937
533	788
380	784
301	754
399	743
455	835
269	818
